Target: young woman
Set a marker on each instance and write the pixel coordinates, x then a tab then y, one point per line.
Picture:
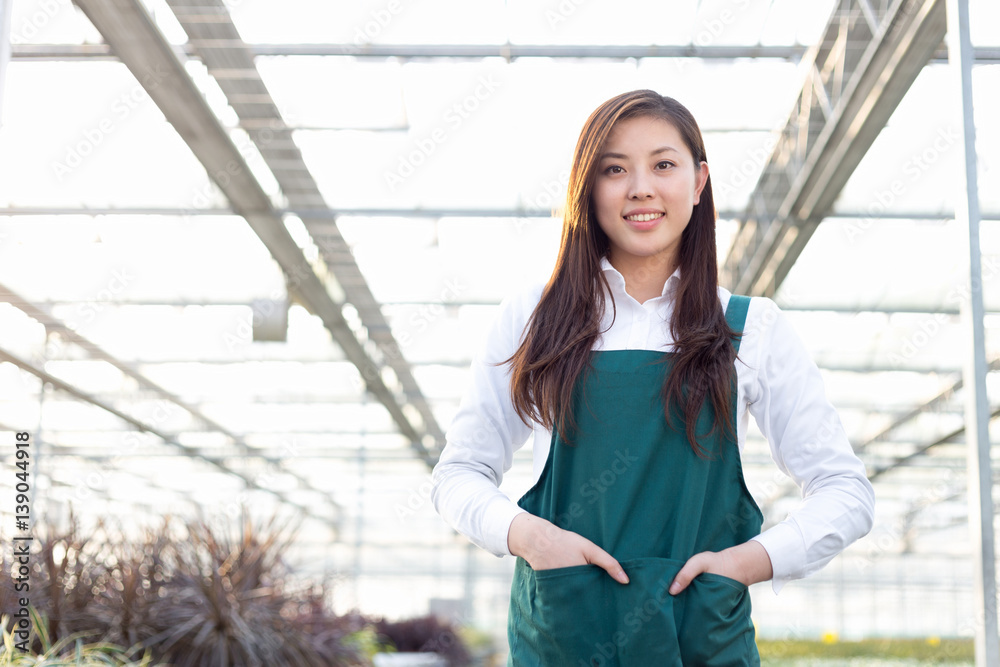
636	372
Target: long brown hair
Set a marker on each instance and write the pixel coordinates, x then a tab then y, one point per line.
566	322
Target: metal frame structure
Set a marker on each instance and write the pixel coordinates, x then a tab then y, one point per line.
977	410
55	327
136	40
478	51
5	46
871	52
857	75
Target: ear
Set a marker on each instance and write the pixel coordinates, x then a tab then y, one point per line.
701	178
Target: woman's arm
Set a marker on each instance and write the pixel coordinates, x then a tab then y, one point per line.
481	442
809	444
787	399
747	563
482	439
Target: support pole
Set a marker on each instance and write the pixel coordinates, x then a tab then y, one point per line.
977	410
5	30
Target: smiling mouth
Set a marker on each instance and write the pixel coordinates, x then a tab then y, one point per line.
643	217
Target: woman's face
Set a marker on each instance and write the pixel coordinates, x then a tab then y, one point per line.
646	187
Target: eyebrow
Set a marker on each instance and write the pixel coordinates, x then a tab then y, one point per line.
620	156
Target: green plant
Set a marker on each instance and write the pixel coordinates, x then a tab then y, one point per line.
426	634
68	651
193	594
936	651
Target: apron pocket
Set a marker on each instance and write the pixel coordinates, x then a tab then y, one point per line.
580	617
716	629
554	615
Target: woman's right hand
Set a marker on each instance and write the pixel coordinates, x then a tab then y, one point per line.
546	546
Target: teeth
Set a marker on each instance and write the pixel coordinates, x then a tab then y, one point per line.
643	217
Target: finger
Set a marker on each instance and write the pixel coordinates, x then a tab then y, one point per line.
601	558
692	568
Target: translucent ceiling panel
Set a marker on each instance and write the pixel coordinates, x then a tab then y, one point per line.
473	140
48	22
576	22
720	22
894	263
372	21
984	19
316	92
727	94
488	134
792	22
145	259
464	260
256	382
911	166
92	137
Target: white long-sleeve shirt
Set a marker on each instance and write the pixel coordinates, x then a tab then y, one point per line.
778	384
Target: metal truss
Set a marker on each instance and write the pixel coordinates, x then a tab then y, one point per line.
477	51
53	326
867	59
135	39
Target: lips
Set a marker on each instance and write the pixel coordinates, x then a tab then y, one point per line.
641	220
643	217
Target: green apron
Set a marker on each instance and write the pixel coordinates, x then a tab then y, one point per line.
634	487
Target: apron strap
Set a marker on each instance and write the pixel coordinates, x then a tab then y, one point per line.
736	315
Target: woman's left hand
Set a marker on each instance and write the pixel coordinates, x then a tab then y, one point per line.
747	563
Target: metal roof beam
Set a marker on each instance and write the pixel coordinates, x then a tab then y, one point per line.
191	452
946	394
855	79
421	213
984	54
59	328
209	26
435	51
886	309
135	39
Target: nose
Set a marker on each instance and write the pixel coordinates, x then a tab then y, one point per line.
639	186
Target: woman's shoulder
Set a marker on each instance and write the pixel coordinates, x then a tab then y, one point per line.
523	299
761	313
513	315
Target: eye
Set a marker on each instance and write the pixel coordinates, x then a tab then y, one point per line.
614	169
664	164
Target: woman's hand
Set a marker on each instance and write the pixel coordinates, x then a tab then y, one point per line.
747	563
545	546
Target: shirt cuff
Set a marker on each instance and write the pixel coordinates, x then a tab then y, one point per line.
498	525
787	553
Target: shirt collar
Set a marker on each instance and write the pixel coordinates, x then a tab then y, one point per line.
617	280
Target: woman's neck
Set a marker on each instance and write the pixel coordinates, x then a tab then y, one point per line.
644	276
